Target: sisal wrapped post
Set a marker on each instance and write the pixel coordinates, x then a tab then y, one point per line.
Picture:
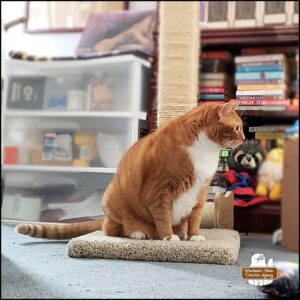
179	41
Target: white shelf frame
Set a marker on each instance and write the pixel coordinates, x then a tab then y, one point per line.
78	114
66	169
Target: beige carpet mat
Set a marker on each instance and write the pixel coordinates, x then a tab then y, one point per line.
220	247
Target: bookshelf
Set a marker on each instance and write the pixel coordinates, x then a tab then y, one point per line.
265	218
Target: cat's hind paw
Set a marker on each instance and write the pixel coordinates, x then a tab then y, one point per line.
173	237
197	238
139	235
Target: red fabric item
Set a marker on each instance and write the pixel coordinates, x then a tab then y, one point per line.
238	185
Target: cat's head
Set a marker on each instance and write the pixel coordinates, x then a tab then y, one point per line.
227	128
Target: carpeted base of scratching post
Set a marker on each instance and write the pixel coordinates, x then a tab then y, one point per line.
221	246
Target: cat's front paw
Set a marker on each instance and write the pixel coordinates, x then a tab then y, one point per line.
173	237
139	235
197	238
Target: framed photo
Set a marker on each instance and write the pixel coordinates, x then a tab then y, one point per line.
65	16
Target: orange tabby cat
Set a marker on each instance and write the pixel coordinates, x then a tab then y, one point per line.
161	184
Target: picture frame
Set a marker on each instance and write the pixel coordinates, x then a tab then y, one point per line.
65	16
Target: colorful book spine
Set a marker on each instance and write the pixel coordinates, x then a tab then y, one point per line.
263	108
255	58
253	87
212	96
260	63
261	93
212	83
260	81
259	75
213	76
212	90
262	68
212	101
268	135
268	128
255	102
257	97
215	55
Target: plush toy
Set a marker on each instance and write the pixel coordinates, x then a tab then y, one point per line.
244	162
247	157
270	175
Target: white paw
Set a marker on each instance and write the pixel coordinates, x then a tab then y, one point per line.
137	235
173	237
197	238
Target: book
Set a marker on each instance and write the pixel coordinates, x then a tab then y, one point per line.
268	128
253	87
260	75
214	76
263	108
262	68
256	102
256	58
212	96
212	90
259	81
212	83
258	97
269	135
261	63
261	93
215	55
211	101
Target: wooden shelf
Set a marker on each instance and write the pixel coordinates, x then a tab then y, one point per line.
250	36
264	218
63	169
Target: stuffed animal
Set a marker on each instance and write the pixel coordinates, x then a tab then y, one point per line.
247	157
244	162
270	175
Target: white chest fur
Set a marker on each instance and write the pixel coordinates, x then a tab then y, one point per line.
204	154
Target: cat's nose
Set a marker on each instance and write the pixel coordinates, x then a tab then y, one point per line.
248	157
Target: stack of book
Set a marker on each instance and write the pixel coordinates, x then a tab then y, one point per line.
295	98
269	136
262	82
215	76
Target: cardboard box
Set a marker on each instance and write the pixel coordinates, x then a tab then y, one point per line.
290	195
219	213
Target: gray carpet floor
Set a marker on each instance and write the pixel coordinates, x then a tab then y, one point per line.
35	268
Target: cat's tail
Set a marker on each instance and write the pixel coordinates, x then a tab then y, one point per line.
61	231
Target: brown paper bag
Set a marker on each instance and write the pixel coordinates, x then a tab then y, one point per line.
224	216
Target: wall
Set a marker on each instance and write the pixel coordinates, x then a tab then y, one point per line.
46	44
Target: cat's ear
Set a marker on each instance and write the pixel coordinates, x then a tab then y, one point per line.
227	108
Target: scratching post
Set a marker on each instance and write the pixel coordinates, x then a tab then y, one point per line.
179	40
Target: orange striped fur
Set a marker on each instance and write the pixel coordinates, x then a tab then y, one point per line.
161	183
